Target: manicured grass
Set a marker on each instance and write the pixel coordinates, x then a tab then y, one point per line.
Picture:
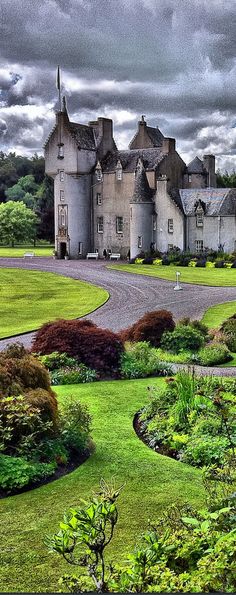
198	276
9	252
30	298
152	482
216	315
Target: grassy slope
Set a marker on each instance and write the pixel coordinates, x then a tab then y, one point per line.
152	483
216	315
30	298
9	252
198	276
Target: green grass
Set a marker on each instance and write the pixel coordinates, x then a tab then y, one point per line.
230	364
30	298
216	315
152	482
18	251
198	276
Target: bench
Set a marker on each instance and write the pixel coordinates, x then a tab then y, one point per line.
92	255
29	254
114	256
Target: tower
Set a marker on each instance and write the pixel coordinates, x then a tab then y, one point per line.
141	213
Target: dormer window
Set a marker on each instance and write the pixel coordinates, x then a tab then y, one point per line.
98	172
199	219
119	171
199	216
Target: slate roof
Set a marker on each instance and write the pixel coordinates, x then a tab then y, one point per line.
155	136
83	136
142	190
150	158
217	201
196	166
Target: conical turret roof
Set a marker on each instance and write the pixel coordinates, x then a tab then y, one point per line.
142	190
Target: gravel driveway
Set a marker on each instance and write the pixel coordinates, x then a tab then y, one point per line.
131	295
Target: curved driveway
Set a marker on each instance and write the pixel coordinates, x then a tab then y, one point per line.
131	295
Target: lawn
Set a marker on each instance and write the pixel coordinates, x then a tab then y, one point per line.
198	276
216	315
18	251
30	298
152	482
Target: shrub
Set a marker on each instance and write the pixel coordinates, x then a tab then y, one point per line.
97	348
213	354
182	338
229	329
148	260
219	264
46	402
76	375
19	371
17	473
205	450
56	360
140	361
21	426
23	374
75	426
196	324
150	328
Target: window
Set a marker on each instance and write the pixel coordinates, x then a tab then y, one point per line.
154	223
199	219
62	216
80	248
170	247
62	175
98	172
99	198
62	195
170	226
199	245
189	179
140	241
100	224
119	224
119	174
60	154
131	212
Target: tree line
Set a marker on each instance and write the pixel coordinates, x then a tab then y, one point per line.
23	181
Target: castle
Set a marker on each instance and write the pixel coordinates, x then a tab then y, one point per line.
135	200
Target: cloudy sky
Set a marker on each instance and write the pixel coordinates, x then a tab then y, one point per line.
172	60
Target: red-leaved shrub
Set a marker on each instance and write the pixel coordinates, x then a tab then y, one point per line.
98	348
149	328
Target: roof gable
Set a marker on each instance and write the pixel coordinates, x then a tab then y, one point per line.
216	201
196	166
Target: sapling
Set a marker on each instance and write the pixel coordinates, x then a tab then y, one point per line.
84	535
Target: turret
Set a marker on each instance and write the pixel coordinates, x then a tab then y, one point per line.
141	213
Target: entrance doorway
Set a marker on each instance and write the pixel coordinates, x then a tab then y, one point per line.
62	250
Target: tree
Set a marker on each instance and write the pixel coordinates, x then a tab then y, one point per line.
17	223
226	180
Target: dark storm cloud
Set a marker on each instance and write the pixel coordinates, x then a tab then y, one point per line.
173	60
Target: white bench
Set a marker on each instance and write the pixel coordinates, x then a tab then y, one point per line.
29	254
92	255
114	256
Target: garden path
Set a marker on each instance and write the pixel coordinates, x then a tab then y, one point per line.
130	295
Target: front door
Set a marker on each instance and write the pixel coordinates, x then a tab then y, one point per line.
62	250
